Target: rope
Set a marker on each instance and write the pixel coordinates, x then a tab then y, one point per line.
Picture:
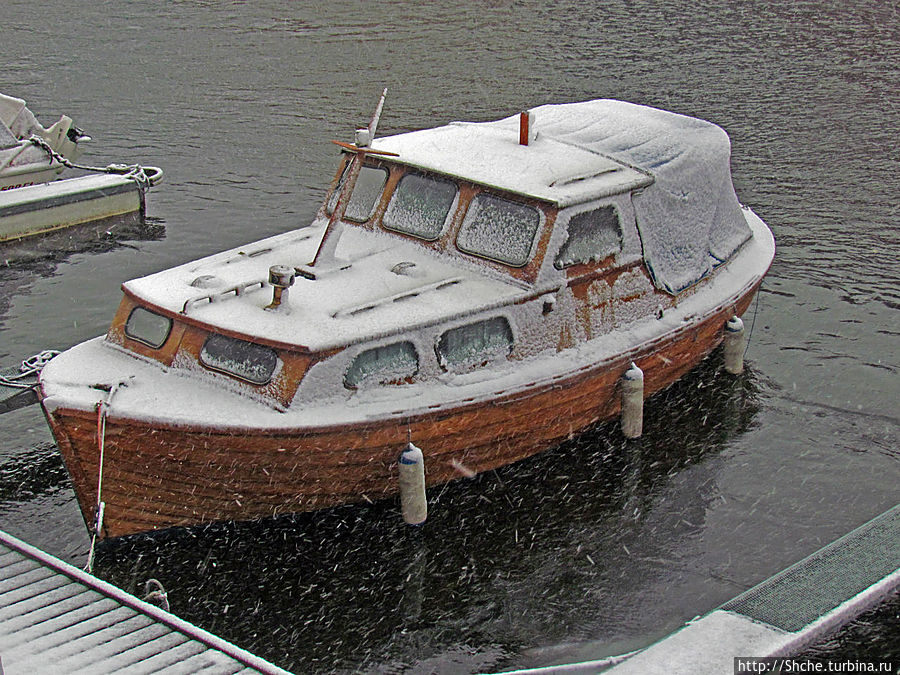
102	409
755	314
30	367
133	171
155	594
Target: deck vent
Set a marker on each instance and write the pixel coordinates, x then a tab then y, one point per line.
526	127
206	281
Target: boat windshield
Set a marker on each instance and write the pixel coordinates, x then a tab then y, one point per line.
366	192
7	140
420	206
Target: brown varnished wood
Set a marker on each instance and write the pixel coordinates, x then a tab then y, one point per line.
280	390
165	476
165	354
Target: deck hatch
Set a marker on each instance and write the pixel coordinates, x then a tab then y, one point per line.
148	327
244	360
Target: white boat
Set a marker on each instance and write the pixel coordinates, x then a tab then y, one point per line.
31	157
27	148
480	290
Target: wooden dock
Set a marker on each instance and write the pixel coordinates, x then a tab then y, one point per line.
55	618
779	617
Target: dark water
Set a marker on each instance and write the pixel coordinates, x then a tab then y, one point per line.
595	548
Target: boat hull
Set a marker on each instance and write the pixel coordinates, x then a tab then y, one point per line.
157	476
37	209
11	179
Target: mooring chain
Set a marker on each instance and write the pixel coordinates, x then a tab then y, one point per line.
133	171
30	367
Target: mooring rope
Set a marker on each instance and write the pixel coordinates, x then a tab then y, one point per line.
30	367
133	171
155	594
102	409
755	314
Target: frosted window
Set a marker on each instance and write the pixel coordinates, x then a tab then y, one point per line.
366	192
245	360
593	235
499	229
420	206
333	199
148	327
475	344
383	365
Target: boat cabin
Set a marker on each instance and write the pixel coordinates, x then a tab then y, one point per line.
466	249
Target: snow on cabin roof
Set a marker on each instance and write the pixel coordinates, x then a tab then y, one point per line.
687	212
550	169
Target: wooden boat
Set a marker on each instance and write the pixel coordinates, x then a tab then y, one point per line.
26	147
478	289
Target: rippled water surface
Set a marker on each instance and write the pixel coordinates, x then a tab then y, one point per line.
597	547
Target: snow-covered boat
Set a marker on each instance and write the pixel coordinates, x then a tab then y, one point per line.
24	145
31	157
478	289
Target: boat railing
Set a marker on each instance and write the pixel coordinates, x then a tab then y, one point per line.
233	292
353	310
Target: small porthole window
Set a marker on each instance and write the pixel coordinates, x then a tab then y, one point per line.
392	364
244	360
475	344
148	327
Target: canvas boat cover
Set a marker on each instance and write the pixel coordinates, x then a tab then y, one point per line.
688	214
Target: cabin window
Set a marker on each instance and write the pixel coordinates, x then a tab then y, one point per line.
593	236
499	229
148	327
245	360
419	206
335	195
475	344
366	192
393	363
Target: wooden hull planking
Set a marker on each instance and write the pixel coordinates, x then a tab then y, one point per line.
156	477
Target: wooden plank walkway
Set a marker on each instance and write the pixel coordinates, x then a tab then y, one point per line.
55	618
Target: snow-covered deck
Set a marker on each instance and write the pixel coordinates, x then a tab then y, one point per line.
388	285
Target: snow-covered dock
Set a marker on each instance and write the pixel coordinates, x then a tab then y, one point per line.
54	618
780	616
34	209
